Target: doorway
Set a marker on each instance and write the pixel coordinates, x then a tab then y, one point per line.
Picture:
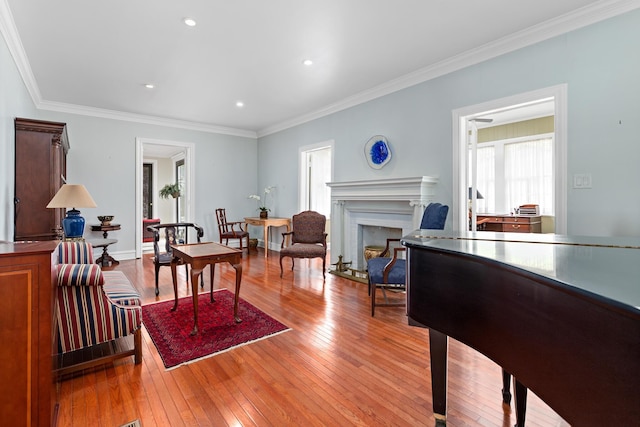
315	170
468	120
148	174
173	152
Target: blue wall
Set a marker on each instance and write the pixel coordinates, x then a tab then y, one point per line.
600	64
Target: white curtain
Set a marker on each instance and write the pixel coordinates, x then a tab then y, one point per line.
511	174
529	174
319	174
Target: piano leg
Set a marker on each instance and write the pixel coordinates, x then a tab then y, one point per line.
506	387
520	392
438	350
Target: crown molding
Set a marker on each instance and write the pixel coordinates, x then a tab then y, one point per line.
141	118
10	33
577	19
560	25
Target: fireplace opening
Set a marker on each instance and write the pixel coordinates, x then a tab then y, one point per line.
373	235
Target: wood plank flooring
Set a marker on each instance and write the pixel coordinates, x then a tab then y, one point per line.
338	366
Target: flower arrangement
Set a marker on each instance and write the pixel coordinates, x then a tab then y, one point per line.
263	207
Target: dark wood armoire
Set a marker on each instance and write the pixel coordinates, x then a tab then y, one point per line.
40	171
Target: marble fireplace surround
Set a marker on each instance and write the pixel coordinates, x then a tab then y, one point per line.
394	203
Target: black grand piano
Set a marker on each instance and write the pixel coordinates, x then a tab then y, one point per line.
561	314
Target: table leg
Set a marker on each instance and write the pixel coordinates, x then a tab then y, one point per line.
195	272
266	239
174	265
212	266
288	243
105	259
238	268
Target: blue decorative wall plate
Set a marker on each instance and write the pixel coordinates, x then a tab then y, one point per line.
377	151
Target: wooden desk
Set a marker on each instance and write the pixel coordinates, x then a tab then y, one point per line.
266	223
199	255
510	223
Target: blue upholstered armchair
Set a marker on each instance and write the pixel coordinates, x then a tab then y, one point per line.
389	272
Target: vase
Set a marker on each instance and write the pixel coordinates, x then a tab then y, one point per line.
264	214
372	252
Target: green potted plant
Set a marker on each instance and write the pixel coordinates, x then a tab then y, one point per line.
170	190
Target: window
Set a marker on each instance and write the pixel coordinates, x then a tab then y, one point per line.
514	172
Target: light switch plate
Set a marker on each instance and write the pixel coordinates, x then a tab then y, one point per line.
582	180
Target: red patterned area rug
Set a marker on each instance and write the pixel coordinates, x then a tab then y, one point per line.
217	330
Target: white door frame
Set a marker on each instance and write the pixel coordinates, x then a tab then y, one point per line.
303	174
460	156
189	155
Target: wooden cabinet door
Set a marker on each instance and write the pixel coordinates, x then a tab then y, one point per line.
27	393
40	168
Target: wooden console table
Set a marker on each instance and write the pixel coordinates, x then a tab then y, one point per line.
510	223
266	223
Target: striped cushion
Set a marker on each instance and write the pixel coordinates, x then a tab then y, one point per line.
92	306
79	275
75	253
119	290
86	317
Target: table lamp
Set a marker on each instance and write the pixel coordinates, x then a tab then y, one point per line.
72	196
478	195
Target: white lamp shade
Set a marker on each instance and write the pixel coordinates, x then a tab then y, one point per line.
72	196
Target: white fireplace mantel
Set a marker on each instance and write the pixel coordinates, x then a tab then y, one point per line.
415	190
397	200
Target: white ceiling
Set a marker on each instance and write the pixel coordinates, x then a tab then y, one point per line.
94	58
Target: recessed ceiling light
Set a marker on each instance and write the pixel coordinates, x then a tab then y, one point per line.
190	22
149	86
239	104
307	62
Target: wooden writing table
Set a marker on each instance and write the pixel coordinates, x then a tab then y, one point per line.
199	255
266	223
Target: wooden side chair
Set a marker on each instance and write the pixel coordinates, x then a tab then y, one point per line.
308	239
173	234
228	230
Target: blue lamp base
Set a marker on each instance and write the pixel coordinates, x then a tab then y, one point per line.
73	225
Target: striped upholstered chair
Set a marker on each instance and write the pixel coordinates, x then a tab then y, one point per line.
93	307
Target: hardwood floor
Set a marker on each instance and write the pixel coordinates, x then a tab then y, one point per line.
338	366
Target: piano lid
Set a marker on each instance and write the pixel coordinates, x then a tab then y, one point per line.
608	267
